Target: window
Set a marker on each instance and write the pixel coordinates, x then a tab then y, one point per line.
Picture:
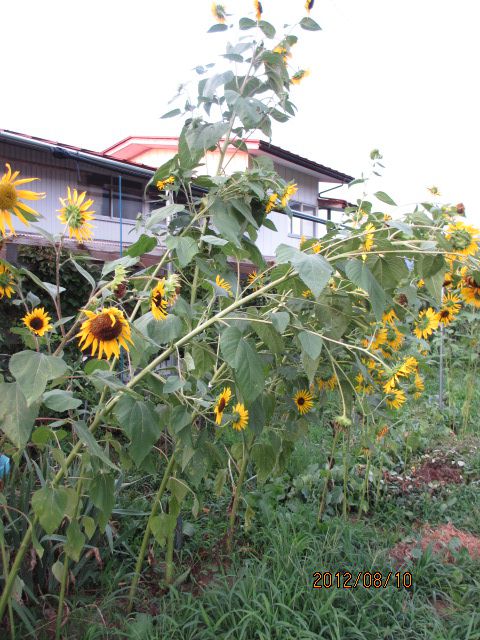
300	227
104	189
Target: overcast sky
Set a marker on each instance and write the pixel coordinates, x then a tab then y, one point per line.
398	76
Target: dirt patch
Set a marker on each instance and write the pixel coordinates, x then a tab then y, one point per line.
444	541
431	475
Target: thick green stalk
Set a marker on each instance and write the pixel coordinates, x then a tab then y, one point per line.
236	497
146	535
169	558
5	573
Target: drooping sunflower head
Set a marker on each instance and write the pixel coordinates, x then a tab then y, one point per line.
471	291
7	282
304	401
218	12
419	386
258	9
11	200
255	280
368	238
76	216
362	385
223	284
451	305
309	5
240	417
299	76
158	301
396	398
222	401
389	317
38	321
163	184
271	203
290	190
105	332
426	323
463	238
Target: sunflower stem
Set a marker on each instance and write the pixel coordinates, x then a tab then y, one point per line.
147	532
5	574
237	494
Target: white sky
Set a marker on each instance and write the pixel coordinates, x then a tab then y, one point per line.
398	76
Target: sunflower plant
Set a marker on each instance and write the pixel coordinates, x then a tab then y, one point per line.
193	371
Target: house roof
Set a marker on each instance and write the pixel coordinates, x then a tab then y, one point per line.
61	150
133	146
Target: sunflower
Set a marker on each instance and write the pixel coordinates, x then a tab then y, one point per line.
272	202
421	283
75	215
218	11
327	384
254	280
158	301
470	291
362	386
382	433
309	5
389	317
10	200
6	282
38	321
464	238
223	284
258	10
450	307
426	323
367	244
104	330
299	76
378	339
317	247
307	293
240	417
303	400
419	386
402	370
395	338
222	401
290	190
161	184
396	398
448	280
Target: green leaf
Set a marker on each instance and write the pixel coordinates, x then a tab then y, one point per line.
49	504
180	418
242	357
141	423
219	482
172	113
158	215
280	320
186	248
265	331
310	366
206	136
162	526
16	417
215	240
218	27
311	344
361	276
143	245
75	541
125	262
83	272
267	28
178	488
89	526
209	89
102	494
264	458
246	23
33	370
92	445
203	357
309	24
314	270
226	220
59	400
384	197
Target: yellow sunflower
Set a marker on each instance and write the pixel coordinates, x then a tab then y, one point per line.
421	283
402	370
396	398
471	291
158	301
303	400
464	238
299	76
395	338
11	200
162	184
218	12
75	215
290	191
307	293
38	321
368	238
223	284
222	401
105	331
240	417
309	5
419	386
317	247
6	282
426	323
389	317
362	386
272	202
328	384
258	9
254	280
450	307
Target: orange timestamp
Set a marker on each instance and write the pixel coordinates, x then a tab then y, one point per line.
365	579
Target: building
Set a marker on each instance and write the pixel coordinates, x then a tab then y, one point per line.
116	179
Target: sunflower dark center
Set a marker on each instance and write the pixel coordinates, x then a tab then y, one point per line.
36	323
301	401
8	196
101	327
471	282
444	313
158	300
221	405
